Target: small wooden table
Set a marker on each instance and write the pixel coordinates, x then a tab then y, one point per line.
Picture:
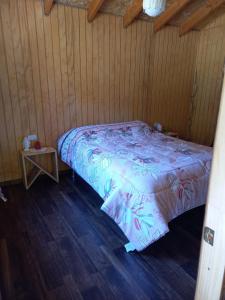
37	169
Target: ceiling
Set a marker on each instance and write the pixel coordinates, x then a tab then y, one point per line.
119	7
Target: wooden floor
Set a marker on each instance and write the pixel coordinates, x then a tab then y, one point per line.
55	243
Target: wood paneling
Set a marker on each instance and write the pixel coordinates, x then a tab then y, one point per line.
171	72
208	82
60	71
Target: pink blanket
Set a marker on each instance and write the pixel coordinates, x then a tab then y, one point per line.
145	178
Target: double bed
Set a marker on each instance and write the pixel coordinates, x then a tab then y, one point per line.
144	177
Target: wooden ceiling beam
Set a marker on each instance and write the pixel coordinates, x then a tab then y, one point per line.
199	15
169	13
48	4
93	9
132	12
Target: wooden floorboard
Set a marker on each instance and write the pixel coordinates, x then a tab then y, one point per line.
55	243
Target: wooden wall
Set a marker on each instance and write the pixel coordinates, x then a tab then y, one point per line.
210	62
60	71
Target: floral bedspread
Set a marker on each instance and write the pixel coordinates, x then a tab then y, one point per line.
145	178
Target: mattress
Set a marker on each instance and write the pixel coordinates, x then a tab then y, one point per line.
144	177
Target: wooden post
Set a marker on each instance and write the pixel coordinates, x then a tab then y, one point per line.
212	257
169	13
48	4
93	9
199	15
132	12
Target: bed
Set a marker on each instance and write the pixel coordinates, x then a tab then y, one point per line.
145	178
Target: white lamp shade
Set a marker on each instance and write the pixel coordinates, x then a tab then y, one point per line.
154	8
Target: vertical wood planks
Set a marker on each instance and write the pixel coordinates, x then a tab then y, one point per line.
83	62
31	26
10	155
77	66
57	69
89	40
210	62
112	68
13	86
60	71
43	72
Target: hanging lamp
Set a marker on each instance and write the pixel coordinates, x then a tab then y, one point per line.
154	8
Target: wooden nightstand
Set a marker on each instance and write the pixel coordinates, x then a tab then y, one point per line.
37	170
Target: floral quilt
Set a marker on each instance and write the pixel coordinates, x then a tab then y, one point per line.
145	178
